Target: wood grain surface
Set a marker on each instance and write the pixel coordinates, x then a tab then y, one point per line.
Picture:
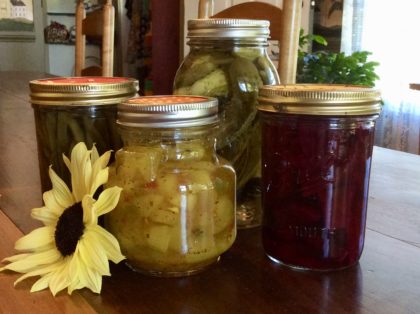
386	280
19	300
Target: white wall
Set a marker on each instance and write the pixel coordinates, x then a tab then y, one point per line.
61	58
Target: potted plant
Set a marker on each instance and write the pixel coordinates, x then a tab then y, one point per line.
333	68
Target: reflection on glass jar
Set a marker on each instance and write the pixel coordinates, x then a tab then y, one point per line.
316	151
176	214
72	110
228	60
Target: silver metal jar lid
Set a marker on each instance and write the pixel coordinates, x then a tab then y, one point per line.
82	91
228	28
320	99
171	111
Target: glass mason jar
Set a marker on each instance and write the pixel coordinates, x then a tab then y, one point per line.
316	154
228	60
176	214
72	110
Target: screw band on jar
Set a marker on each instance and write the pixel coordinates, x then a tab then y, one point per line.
320	99
82	91
170	111
228	28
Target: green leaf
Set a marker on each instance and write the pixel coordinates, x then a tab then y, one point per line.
335	68
320	40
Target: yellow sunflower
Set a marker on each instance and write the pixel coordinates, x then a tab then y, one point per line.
71	250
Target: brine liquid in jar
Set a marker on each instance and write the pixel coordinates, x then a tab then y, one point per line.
69	110
176	214
315	174
228	60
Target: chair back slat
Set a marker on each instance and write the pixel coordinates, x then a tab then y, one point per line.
98	26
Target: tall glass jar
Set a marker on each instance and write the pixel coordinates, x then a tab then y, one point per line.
228	60
176	214
316	155
72	110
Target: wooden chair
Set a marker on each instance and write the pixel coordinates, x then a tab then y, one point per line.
99	27
284	27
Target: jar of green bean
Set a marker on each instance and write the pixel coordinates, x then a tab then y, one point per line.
72	110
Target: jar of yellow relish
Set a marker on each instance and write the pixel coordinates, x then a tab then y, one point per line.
176	214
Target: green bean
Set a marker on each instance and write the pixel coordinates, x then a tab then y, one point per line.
76	130
92	134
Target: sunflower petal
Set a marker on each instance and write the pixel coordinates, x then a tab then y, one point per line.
75	285
60	190
101	162
67	162
51	203
87	175
95	279
60	278
79	158
15	258
42	283
35	239
108	242
89	278
89	215
79	151
93	257
32	261
99	171
94	155
38	272
45	215
75	273
99	179
107	200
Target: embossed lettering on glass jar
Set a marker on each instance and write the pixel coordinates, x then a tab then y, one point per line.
228	60
72	110
176	214
316	154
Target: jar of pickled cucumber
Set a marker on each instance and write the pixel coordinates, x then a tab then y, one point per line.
176	214
72	110
228	60
316	153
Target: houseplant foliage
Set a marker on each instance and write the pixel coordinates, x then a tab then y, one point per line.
333	68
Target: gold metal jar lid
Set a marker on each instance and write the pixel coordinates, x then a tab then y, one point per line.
82	91
171	111
228	28
320	99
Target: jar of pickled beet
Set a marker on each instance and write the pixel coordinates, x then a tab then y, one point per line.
176	213
76	109
317	145
228	60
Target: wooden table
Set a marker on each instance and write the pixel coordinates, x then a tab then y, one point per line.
386	280
415	86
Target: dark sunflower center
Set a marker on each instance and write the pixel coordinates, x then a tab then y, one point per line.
69	229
